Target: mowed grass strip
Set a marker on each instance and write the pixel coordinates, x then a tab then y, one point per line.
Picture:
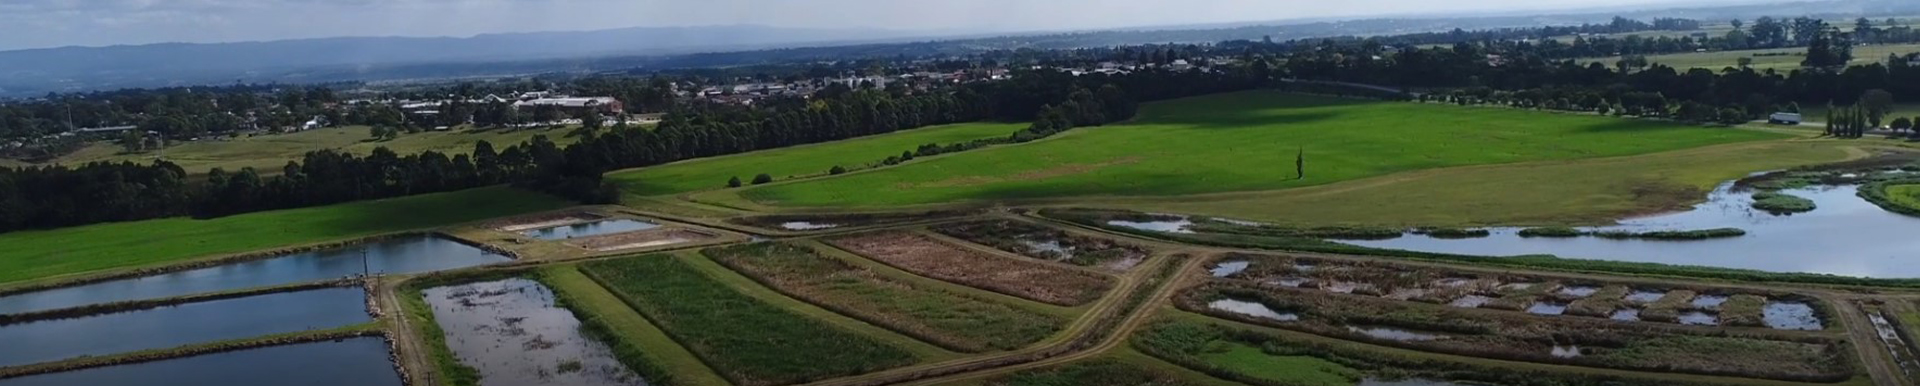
29	255
954	321
797	161
925	256
749	342
1248	141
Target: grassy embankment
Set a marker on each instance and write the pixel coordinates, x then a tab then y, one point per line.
1247	141
267	153
30	255
796	161
749	341
956	321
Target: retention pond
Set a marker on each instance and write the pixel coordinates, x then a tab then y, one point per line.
410	254
597	228
511	331
1854	238
358	362
54	340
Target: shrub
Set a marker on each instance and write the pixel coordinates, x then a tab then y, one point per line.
762	179
1551	232
733	182
837	170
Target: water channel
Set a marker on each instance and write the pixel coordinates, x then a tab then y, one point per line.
410	254
53	340
1846	235
357	362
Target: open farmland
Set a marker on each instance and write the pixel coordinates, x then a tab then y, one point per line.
958	321
749	342
1248	141
41	254
268	153
1780	59
931	258
797	161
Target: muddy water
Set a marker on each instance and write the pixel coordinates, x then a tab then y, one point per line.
1394	334
53	340
590	229
357	362
1791	316
1175	226
1252	309
513	334
1890	338
402	255
1228	268
1855	238
1711	302
1471	301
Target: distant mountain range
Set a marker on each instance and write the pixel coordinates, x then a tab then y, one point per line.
82	68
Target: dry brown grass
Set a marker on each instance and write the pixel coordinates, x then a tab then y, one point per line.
928	257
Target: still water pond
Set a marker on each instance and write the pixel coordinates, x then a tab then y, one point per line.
53	340
358	362
597	228
1846	235
513	334
409	254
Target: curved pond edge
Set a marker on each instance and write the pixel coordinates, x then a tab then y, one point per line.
1876	193
445	364
148	304
241	258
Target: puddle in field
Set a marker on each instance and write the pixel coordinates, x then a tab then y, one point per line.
511	331
1711	302
1228	268
191	323
1238	222
1394	334
1626	314
1697	318
1578	291
1345	287
1253	309
806	226
597	228
1565	351
407	254
1304	267
1857	238
1516	286
1471	301
1642	296
356	361
1290	282
1547	308
1791	316
1168	226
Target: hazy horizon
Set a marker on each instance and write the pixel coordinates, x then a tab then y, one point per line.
30	24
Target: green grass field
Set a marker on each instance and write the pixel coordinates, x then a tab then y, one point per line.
750	342
797	161
952	320
1718	60
267	153
32	255
1905	195
1302	370
1247	142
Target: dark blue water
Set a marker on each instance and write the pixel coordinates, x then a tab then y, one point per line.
401	255
590	229
186	324
354	362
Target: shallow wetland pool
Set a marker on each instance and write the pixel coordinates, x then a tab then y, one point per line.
512	332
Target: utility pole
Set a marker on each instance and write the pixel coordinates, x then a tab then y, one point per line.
366	270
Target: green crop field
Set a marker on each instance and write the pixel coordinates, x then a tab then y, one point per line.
957	321
32	255
1781	60
1247	142
797	161
267	153
750	342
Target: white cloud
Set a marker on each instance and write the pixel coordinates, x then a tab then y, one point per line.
44	23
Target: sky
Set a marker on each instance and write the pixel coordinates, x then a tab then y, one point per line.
52	23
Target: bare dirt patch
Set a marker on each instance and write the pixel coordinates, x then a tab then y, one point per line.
642	239
928	257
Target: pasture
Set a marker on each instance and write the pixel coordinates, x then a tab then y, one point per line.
40	254
1248	141
797	161
1782	60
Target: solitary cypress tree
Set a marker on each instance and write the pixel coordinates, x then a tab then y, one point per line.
1300	164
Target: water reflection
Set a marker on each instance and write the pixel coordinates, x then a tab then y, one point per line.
1791	316
1228	268
1252	309
513	334
590	229
218	320
1851	237
358	362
